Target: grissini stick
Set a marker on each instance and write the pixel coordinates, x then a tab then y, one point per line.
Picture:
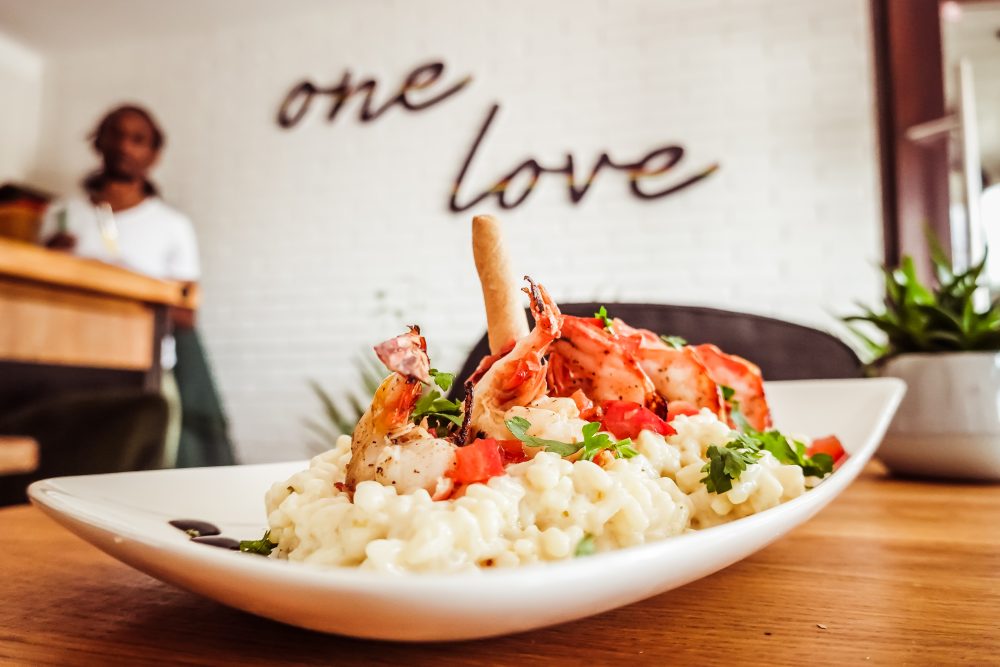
505	319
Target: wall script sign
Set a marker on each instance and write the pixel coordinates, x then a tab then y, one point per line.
296	104
639	172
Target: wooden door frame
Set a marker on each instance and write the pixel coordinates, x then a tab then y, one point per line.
909	80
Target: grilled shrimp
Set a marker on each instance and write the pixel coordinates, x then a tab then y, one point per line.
744	378
386	446
679	374
517	377
590	358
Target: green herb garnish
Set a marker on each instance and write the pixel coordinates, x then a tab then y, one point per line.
261	547
519	427
593	443
586	546
675	342
443	380
786	450
443	415
727	463
602	315
793	452
735	411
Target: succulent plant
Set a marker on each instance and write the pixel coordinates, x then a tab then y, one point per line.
942	317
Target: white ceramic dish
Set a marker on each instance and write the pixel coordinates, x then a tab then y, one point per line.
126	515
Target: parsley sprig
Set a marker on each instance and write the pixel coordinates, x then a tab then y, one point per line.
735	411
443	415
593	443
602	315
261	547
586	546
727	463
783	448
793	452
675	342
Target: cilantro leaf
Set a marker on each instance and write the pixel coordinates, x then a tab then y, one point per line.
261	547
793	452
675	342
625	450
727	463
593	441
519	427
442	414
818	465
735	411
443	380
602	315
586	546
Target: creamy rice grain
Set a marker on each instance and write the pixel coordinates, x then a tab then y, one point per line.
539	511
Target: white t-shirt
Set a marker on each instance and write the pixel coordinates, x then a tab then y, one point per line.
153	239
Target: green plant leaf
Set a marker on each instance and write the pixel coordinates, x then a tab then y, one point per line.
941	317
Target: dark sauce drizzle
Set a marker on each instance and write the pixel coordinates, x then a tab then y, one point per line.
217	541
195	528
204	532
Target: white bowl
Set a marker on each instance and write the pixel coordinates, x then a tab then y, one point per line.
948	425
126	515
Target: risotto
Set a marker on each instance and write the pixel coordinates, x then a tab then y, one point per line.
548	508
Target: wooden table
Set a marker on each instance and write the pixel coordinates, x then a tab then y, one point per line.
893	572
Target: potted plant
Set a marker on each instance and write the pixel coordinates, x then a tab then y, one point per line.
943	340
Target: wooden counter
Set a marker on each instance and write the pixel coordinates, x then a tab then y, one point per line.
60	310
892	572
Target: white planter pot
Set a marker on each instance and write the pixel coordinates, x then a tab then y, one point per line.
948	424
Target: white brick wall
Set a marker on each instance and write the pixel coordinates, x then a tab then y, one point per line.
300	231
20	108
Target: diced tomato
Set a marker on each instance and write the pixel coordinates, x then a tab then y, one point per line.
511	451
677	408
525	369
477	462
828	445
626	419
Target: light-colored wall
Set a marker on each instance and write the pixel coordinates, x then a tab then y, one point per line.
321	241
21	71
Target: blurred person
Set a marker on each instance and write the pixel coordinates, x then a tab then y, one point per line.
147	235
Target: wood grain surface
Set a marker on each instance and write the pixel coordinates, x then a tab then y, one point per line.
34	264
894	572
46	324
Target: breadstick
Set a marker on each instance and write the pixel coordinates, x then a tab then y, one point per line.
505	319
